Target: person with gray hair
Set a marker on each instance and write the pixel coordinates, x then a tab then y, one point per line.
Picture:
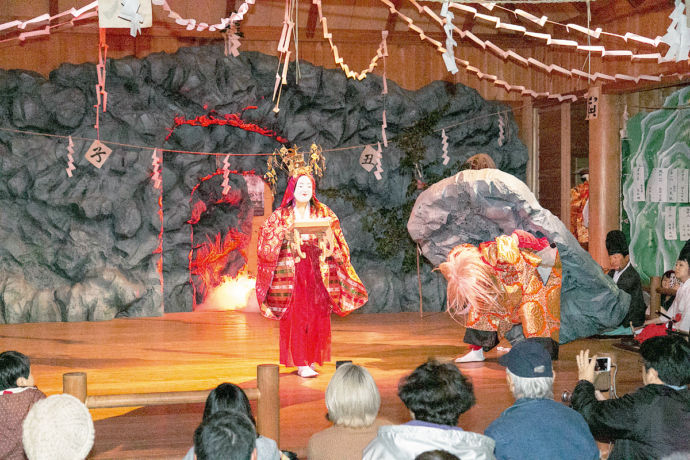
536	426
353	401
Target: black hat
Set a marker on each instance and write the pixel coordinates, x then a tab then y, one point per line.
615	243
528	359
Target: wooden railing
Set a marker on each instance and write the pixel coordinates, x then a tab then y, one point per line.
266	394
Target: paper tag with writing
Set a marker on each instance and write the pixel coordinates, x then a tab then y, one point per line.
368	158
683	190
97	154
684	223
670	232
638	190
672	185
657	185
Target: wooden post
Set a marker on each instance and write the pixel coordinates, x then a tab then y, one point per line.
74	383
268	406
565	163
654	296
604	177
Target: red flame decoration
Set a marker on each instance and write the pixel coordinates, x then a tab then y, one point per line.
228	119
212	255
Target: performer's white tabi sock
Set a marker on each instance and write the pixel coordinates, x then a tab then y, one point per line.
472	357
306	372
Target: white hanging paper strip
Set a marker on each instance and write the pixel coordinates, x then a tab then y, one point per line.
444	147
70	157
501	129
657	185
383	130
226	175
593	103
678	34
125	14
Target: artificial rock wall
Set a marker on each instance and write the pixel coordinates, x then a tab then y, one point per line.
87	247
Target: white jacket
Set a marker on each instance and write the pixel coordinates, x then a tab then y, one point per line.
405	442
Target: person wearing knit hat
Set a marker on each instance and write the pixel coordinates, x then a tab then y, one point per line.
560	431
58	428
626	277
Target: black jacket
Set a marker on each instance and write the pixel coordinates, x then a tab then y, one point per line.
630	282
650	423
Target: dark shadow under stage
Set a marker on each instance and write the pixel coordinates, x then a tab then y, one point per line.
194	351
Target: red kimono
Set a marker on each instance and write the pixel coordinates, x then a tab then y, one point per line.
302	294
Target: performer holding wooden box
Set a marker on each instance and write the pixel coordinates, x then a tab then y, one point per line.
304	269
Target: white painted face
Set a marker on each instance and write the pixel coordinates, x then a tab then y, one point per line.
303	190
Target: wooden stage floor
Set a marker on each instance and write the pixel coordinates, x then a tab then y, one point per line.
194	351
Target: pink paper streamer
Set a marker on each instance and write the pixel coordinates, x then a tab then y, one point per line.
226	175
383	130
444	144
70	157
156	160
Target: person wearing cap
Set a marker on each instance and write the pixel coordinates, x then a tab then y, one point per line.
626	277
652	422
536	426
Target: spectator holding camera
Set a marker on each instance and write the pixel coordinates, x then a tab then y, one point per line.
536	426
652	422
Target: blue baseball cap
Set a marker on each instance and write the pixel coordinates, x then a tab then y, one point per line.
528	359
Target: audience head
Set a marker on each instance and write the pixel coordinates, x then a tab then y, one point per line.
436	393
681	269
228	397
58	428
668	357
528	370
225	435
352	397
436	455
617	248
15	370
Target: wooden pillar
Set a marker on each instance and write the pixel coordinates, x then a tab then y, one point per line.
528	136
268	406
74	383
604	177
565	164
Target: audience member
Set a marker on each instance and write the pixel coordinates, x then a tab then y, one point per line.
17	395
626	277
225	435
436	455
353	402
669	281
536	426
652	422
436	395
58	428
230	397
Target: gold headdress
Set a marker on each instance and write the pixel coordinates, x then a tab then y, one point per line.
292	160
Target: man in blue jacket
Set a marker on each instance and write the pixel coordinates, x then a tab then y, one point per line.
536	426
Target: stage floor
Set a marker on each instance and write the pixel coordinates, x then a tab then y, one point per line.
194	351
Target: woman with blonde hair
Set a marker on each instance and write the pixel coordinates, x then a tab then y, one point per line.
353	402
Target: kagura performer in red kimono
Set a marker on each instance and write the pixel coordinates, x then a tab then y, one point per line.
507	287
304	273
